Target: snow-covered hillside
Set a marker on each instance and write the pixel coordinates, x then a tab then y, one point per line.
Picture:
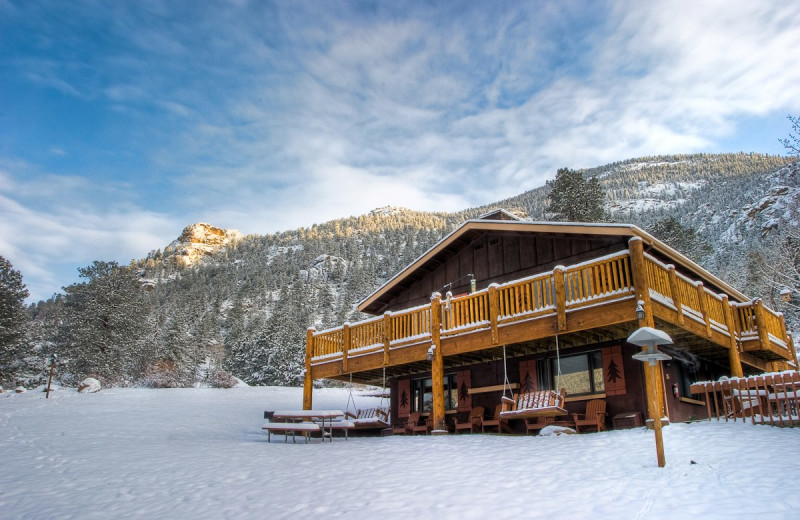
200	453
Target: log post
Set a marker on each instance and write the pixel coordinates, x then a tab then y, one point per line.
560	284
676	295
345	345
652	374
640	285
701	297
308	381
437	364
387	336
761	324
494	311
733	348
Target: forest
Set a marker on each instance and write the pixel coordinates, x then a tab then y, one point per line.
243	310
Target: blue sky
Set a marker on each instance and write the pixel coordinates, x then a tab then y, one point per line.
121	122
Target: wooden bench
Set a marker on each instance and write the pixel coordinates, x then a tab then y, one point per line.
305	428
540	403
369	418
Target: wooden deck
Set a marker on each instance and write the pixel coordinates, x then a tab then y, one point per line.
591	295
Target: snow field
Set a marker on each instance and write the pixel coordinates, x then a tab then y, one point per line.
200	453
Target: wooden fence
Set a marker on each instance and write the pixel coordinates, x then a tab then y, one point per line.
772	398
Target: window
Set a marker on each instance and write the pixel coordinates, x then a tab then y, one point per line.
580	375
422	394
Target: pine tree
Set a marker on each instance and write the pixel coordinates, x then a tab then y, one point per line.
574	199
105	324
13	321
683	238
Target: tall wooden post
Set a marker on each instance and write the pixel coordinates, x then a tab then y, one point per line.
308	382
437	364
560	285
387	336
676	295
652	374
761	323
733	348
345	346
494	311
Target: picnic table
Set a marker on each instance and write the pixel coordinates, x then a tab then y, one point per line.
304	421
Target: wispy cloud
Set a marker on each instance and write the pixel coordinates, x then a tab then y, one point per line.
265	117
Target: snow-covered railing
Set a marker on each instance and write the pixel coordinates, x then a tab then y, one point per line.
601	279
559	292
410	323
748	322
772	398
523	298
465	312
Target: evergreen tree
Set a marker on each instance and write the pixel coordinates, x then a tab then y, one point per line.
683	238
105	324
13	321
574	199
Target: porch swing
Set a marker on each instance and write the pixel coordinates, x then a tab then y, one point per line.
368	418
535	403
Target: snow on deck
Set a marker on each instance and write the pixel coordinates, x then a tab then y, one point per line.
200	453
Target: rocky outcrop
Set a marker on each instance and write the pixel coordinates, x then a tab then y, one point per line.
198	241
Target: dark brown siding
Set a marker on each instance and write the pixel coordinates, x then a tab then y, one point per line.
497	258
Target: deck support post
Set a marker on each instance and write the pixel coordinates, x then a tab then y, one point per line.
308	382
494	311
701	297
761	323
652	374
437	364
387	336
345	345
790	344
733	349
560	284
676	295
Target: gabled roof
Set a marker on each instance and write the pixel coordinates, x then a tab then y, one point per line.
458	236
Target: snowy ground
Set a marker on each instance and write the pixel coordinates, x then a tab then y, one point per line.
200	453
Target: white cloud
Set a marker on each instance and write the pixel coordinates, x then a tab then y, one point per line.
265	118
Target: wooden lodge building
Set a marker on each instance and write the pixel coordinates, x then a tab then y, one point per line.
547	305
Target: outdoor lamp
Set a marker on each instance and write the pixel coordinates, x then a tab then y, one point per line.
640	311
431	352
650	338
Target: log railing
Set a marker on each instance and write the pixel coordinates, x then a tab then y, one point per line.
410	324
601	280
526	297
772	398
556	292
465	312
691	298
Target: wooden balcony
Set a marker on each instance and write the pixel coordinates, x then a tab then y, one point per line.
591	296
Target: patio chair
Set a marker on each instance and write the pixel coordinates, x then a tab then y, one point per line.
496	422
536	424
473	422
595	416
414	425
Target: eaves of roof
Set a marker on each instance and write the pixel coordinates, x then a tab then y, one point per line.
577	228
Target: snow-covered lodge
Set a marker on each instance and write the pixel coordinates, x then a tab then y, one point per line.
504	305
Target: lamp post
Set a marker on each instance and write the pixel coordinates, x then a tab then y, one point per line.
649	338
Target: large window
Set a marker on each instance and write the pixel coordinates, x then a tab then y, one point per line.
580	375
422	394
